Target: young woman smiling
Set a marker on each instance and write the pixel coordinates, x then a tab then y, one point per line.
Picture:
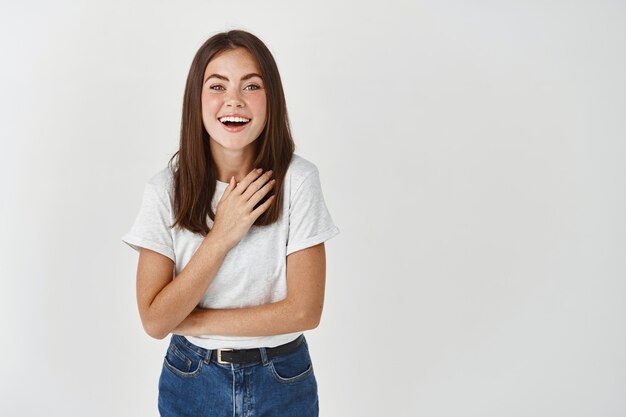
231	245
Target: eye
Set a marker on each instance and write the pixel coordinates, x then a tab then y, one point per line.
255	87
216	87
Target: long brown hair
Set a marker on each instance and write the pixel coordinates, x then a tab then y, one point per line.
194	171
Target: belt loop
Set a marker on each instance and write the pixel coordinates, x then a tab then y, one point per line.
207	357
264	357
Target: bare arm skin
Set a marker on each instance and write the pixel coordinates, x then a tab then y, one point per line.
164	302
300	310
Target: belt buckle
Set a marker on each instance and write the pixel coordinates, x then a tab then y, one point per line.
219	355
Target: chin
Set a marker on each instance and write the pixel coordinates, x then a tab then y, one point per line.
233	144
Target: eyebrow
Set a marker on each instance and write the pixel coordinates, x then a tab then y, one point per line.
244	78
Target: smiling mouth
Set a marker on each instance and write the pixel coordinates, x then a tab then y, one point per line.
231	121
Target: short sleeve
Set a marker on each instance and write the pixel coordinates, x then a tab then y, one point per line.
310	223
151	229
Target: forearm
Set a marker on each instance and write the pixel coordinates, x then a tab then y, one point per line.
301	310
264	320
178	299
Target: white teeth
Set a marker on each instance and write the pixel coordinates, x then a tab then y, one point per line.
233	119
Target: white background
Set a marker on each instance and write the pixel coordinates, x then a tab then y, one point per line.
471	153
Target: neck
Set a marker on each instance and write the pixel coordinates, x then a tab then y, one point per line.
232	162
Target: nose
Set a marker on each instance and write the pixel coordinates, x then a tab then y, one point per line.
234	99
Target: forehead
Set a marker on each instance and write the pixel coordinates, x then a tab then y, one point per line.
233	62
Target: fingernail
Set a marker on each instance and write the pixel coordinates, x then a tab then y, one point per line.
259	170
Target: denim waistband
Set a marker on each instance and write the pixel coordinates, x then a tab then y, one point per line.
206	353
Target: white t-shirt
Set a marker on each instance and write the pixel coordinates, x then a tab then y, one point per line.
254	271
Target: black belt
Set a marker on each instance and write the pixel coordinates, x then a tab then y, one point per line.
253	355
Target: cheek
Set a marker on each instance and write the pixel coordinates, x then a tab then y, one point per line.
209	112
259	104
209	107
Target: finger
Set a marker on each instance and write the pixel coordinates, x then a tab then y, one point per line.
256	185
252	175
258	196
231	185
259	210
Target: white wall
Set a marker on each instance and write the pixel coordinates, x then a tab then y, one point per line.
472	154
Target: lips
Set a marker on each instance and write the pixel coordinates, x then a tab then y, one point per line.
234	122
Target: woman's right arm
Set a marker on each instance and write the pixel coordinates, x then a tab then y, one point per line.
164	302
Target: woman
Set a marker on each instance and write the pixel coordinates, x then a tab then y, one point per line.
231	245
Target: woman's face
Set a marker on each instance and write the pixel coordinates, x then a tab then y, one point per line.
233	87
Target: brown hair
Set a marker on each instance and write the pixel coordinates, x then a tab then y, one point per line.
194	171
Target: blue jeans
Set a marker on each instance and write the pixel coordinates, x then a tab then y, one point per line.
191	384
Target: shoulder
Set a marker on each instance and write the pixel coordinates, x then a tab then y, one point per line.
300	169
162	181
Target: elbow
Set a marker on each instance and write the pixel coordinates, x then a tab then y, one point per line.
309	320
313	324
154	329
155	332
157	335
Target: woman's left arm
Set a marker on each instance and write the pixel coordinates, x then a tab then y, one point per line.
300	310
